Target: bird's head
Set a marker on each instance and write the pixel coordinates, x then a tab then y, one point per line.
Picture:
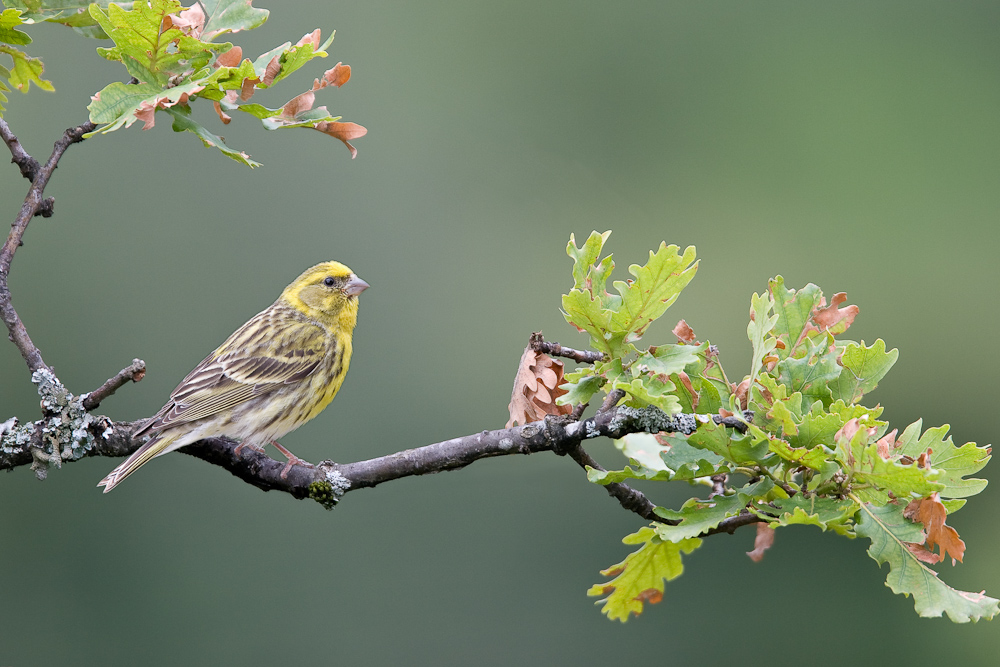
327	292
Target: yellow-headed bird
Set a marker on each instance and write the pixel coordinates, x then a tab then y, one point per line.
275	373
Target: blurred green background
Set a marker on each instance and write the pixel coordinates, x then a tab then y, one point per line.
850	144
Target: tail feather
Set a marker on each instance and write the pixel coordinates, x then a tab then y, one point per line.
152	449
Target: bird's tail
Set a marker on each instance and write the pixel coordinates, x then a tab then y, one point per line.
153	448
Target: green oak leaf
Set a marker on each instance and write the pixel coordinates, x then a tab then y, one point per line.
952	463
827	513
222	16
863	368
580	386
640	577
816	428
650	390
617	476
184	123
813	458
657	285
9	34
138	33
794	309
670	359
588	314
889	532
697	516
732	446
761	323
811	373
903	481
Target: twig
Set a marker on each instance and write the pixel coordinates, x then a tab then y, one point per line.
133	372
627	497
538	344
27	164
34	204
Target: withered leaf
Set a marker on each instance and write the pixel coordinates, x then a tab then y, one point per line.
762	542
886	444
271	71
684	333
345	132
230	58
310	38
932	514
536	388
223	116
833	318
923	554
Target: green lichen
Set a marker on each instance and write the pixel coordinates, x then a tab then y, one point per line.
323	493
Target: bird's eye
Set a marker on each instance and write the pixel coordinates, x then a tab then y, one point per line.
329	282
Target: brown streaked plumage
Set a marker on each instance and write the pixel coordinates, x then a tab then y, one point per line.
273	374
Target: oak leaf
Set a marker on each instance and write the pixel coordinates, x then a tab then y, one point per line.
762	542
932	514
536	388
832	318
684	333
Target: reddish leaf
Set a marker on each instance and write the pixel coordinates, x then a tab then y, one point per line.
248	88
932	514
343	131
684	333
923	554
223	116
536	388
834	319
310	38
886	444
230	58
298	104
271	71
337	76
761	543
191	21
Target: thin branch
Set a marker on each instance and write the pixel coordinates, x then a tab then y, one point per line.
27	164
538	344
34	204
131	373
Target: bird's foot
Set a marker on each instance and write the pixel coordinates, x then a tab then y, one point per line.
293	460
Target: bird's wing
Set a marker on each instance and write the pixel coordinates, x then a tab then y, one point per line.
255	360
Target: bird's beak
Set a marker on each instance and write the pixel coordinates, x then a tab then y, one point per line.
355	286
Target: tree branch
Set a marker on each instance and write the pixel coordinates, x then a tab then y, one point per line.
34	204
77	434
538	344
133	372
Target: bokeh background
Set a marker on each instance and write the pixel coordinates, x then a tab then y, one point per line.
850	144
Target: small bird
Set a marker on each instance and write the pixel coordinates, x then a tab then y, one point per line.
275	373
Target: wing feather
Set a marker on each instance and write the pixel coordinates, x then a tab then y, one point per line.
246	366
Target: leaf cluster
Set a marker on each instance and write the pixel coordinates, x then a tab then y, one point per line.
174	56
813	453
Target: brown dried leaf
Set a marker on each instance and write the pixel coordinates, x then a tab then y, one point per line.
230	58
271	71
310	38
536	387
298	104
761	543
741	393
223	116
248	88
337	76
923	554
686	381
886	444
833	318
932	514
924	460
343	131
684	333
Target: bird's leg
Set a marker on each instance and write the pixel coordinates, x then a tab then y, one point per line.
249	445
293	460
